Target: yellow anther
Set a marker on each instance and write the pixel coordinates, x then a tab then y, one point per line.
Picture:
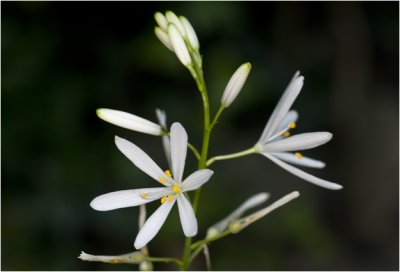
162	180
143	195
170	198
176	189
286	134
168	173
163	199
298	155
292	125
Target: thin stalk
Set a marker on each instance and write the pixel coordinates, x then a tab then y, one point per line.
211	239
216	117
231	156
198	76
163	260
194	150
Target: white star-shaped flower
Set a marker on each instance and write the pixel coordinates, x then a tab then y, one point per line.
172	190
276	145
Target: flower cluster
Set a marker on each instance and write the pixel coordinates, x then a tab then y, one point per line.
276	143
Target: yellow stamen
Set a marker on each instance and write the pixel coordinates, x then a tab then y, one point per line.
286	134
168	173
176	189
170	198
298	155
162	180
143	195
163	199
292	125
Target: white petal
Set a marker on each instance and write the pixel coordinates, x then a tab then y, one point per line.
303	161
161	20
187	216
291	117
283	106
235	84
173	19
162	118
196	179
153	224
142	161
179	46
129	121
303	175
179	141
298	142
248	204
123	199
190	33
163	37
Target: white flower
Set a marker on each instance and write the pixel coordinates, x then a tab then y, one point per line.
129	121
235	84
275	142
222	225
172	190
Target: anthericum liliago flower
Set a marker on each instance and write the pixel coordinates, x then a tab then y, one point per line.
275	142
172	191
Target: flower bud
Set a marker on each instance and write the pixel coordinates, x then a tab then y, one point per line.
173	19
163	37
190	33
235	84
161	20
129	121
179	46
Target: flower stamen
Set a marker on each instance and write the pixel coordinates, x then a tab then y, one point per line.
162	180
143	195
298	155
176	189
163	199
292	125
168	173
286	134
170	198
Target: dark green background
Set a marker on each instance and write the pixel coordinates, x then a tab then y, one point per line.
61	61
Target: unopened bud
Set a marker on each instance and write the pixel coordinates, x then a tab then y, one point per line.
179	46
235	84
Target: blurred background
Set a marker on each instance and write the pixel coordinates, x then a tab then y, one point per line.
62	61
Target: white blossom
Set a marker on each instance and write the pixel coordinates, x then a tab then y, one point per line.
172	190
276	143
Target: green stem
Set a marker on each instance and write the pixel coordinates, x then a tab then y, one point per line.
194	150
163	260
216	117
232	156
198	76
211	239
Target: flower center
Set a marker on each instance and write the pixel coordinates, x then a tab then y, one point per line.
176	189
